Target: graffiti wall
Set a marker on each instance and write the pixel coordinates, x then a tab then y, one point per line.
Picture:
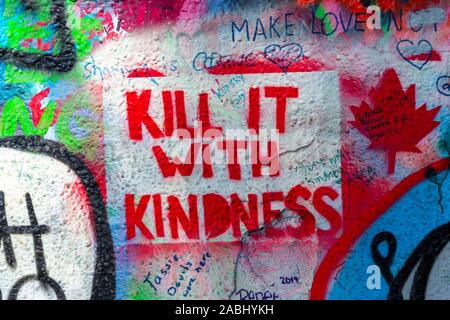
224	149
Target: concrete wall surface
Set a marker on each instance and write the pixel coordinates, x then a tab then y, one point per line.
224	149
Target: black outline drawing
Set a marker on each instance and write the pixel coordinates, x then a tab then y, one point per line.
423	257
36	231
275	48
446	86
424	62
64	61
104	286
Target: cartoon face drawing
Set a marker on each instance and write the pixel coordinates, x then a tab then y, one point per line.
54	232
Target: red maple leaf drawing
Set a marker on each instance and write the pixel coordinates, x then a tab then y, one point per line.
394	124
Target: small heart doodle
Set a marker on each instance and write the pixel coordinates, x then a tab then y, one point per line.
418	55
283	56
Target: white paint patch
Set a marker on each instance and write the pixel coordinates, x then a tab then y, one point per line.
69	246
312	132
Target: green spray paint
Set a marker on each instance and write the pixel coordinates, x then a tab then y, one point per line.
24	26
320	13
16	113
87	146
142	291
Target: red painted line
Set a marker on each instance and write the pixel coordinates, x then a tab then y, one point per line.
237	67
435	56
265	66
341	248
145	73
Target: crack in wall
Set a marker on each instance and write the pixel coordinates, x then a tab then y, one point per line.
297	149
243	242
432	176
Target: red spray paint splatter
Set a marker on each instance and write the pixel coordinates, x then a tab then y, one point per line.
37	110
134	14
385	5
